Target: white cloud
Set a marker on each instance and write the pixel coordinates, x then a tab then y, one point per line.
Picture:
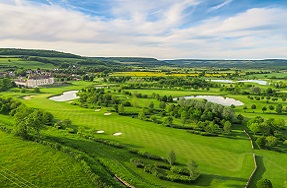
227	2
255	33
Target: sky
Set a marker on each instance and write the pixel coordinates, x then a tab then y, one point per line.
163	29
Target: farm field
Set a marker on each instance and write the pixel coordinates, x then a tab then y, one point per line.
4	61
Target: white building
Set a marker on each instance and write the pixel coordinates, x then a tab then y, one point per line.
34	81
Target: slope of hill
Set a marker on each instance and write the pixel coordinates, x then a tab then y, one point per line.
266	63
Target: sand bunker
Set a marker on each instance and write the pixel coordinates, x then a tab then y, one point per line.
27	97
107	113
117	134
97	110
100	132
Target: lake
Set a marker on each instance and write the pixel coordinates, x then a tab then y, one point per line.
66	96
225	101
260	82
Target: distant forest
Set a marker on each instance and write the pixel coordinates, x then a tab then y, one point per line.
44	55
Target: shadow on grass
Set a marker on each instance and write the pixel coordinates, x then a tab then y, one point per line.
206	180
259	172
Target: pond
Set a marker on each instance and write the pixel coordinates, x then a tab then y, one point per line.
223	81
260	82
225	101
66	96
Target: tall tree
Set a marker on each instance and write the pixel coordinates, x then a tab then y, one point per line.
171	157
192	167
121	109
279	108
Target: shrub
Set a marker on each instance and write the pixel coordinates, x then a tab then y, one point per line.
163	166
180	170
138	163
70	130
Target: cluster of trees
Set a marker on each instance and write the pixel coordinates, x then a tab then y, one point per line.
270	132
209	117
28	120
278	108
169	82
5	84
97	96
88	77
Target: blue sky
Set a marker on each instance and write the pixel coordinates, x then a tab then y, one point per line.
165	29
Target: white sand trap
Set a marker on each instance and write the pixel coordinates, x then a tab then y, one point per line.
97	110
100	132
27	97
107	113
117	134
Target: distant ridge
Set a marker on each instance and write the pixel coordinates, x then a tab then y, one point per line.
264	63
35	52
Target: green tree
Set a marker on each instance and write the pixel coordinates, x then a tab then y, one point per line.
279	108
264	183
21	125
168	120
192	167
35	121
37	90
254	127
66	123
271	141
47	118
240	118
151	105
171	158
271	107
121	109
141	114
227	127
253	107
184	116
264	109
260	141
162	105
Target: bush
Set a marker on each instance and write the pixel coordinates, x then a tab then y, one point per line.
70	130
202	133
179	170
179	178
163	166
147	155
138	163
108	142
